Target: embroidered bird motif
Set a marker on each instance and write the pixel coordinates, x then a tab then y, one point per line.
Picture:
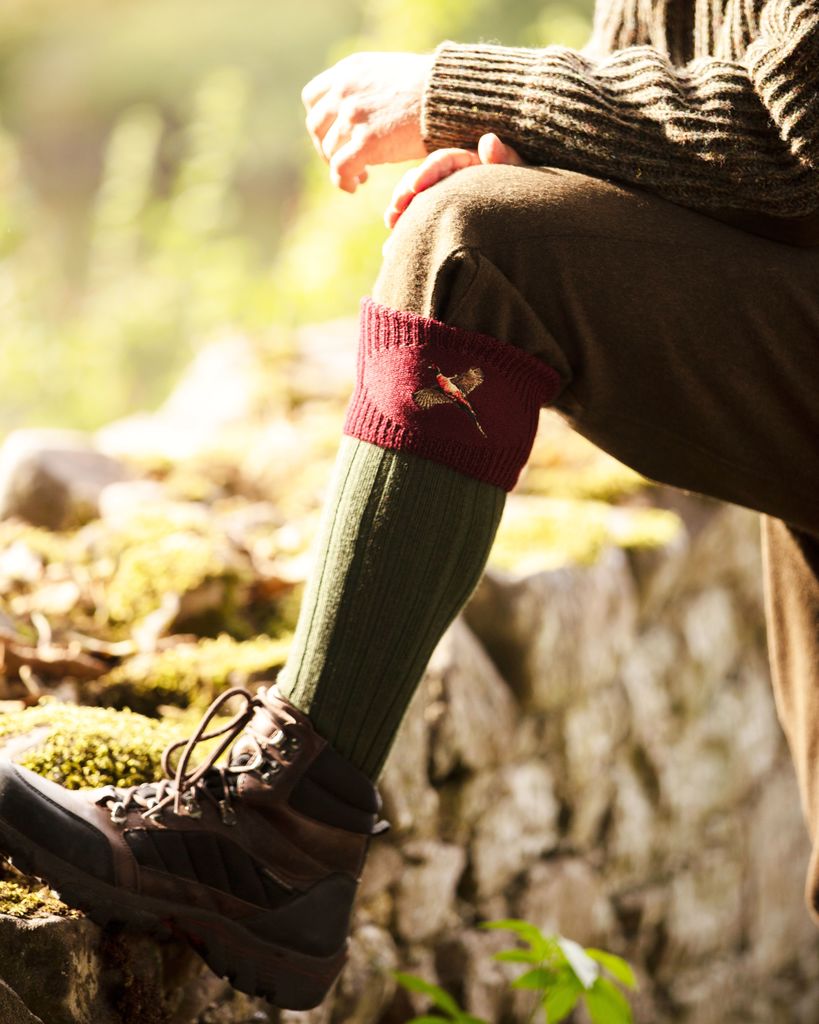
451	391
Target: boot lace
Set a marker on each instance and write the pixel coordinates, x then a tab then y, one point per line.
183	786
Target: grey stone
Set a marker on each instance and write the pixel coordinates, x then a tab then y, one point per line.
13	1010
778	850
567	896
466	963
425	898
707	907
411	804
54	478
515	816
556	634
366	986
473	713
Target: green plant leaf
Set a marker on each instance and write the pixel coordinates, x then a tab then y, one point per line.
439	997
616	966
607	1004
539	978
586	970
432	1020
526	932
560	1000
517	956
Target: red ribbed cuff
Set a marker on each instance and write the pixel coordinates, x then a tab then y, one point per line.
463	399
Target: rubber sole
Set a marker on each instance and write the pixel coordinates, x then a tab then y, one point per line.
288	979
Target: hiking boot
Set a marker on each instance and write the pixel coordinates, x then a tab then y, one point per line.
255	861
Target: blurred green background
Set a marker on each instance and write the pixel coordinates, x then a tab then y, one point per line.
157	186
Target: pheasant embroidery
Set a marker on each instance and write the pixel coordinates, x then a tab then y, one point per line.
451	391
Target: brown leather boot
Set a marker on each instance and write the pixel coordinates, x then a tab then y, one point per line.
255	862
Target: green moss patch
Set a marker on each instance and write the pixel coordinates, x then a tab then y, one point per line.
193	673
539	533
81	747
24	897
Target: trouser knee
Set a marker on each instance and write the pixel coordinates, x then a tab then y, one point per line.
455	257
448	365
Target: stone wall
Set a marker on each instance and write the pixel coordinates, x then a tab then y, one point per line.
593	748
596	749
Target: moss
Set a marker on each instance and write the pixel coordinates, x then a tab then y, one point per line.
564	464
81	747
50	547
602	480
157	555
539	533
193	673
21	896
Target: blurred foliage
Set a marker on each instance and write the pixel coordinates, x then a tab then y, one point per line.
157	186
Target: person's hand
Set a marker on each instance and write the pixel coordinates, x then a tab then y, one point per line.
366	110
440	165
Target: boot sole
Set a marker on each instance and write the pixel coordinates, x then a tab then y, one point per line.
288	979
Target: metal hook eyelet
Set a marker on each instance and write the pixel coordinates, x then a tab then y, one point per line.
119	814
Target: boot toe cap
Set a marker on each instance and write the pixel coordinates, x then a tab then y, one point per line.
38	814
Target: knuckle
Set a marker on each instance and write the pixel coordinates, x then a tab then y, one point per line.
356	112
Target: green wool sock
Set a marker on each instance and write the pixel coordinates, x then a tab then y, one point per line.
402	545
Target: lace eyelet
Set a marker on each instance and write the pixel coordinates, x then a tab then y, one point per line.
189	806
119	814
227	813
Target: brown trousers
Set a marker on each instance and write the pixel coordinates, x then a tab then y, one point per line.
689	349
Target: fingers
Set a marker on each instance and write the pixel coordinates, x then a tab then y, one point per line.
319	119
492	151
317	87
348	164
438	165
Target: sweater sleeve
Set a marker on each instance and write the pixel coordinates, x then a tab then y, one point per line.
709	133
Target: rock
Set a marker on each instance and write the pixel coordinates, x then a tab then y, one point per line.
225	389
366	987
425	899
568	897
632	846
54	478
473	714
555	634
707	907
383	868
644	672
320	1015
515	821
103	977
13	1010
466	965
411	804
119	501
594	728
779	849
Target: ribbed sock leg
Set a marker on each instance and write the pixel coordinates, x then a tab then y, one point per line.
403	543
441	422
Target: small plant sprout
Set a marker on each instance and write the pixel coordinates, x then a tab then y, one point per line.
559	972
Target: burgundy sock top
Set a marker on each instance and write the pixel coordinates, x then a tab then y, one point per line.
466	400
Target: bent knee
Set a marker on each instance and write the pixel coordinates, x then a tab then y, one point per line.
430	249
501	212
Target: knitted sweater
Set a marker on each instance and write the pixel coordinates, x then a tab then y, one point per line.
713	104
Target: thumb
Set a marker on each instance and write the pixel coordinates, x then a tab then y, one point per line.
492	151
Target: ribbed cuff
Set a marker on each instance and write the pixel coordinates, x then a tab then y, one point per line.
466	400
474	89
